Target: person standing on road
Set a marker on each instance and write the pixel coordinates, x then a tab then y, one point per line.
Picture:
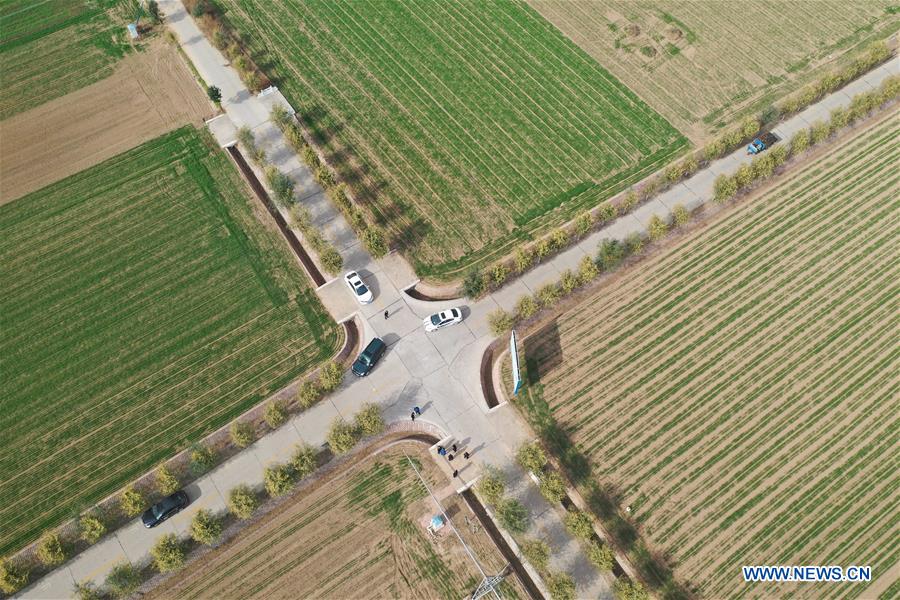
417	410
442	451
466	455
386	314
453	448
412	416
455	474
449	457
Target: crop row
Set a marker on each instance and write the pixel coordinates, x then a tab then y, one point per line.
766	367
475	124
145	307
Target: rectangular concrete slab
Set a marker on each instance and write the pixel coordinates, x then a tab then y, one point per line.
544	273
242	469
814	113
507	296
357	259
312	424
136	540
418	354
477	321
648	210
400	322
276	447
223	130
384	291
728	164
337	299
58	584
398	270
93	564
271	97
569	259
451	340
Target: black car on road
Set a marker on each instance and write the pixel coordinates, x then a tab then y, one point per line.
368	357
165	508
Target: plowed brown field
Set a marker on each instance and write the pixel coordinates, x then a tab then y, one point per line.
739	391
357	535
148	94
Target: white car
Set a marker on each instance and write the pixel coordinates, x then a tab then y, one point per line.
359	289
445	318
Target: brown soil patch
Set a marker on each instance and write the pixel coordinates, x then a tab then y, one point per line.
150	93
358	533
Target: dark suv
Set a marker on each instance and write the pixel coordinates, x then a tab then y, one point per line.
368	357
164	509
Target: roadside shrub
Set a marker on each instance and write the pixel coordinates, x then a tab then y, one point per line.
524	258
473	284
732	138
277	480
820	132
374	242
242	433
890	88
499	272
280	116
609	254
122	580
689	165
657	228
537	553
500	321
743	176
779	155
203	458
50	549
629	200
92	528
568	281
625	589
634	243
749	127
214	94
561	586
13	576
282	186
714	150
303	461
341	436
680	215
587	270
491	486
219	39
606	212
543	248
559	239
132	502
324	176
649	188
245	138
331	260
311	158
770	114
330	376
167	553
206	528
369	420
582	224
548	295
166	482
242	502
531	457
275	415
86	590
553	488
724	188
800	142
512	515
308	393
580	525
601	556
526	306
763	166
675	172
840	117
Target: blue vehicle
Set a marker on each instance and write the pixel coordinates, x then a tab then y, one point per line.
762	143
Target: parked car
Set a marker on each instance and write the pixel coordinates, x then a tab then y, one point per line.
445	318
369	357
359	289
165	508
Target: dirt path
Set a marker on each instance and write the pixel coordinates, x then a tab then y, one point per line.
150	93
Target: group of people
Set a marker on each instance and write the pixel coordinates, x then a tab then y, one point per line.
417	412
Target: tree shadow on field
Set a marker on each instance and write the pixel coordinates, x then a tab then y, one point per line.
543	352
